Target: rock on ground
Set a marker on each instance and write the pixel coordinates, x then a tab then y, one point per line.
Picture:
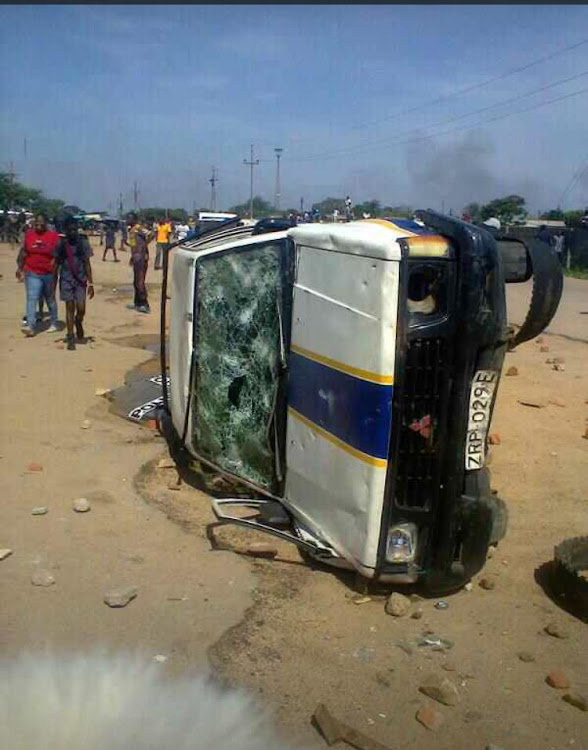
526	657
429	717
120	597
4	553
81	505
39	510
440	689
42	577
556	630
558	679
397	605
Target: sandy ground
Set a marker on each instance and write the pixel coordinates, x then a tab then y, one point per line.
285	630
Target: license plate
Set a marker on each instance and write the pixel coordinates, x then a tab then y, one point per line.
481	397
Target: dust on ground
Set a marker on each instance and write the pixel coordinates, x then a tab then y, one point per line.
285	629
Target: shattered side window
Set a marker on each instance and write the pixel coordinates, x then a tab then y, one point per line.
238	357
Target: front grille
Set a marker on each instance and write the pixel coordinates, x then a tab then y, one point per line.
421	409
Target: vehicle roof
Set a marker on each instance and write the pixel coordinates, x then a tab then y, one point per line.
374	238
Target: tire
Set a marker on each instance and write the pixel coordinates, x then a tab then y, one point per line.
571	559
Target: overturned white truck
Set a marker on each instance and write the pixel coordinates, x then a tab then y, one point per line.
346	374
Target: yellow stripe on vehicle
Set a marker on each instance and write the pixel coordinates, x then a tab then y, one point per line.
342	367
371	460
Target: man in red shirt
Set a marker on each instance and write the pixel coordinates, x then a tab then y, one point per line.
36	260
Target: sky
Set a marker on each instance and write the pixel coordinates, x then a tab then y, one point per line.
411	105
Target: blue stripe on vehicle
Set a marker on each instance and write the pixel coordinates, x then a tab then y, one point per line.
410	226
356	411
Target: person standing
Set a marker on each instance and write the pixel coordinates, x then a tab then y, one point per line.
110	240
36	262
73	269
348	212
139	237
163	234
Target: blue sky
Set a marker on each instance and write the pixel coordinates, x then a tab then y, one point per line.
106	95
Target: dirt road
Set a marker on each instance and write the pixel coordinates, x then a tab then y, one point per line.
281	628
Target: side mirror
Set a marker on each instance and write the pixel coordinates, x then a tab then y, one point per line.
516	261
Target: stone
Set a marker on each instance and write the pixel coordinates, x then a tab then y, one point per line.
526	657
448	666
469	586
361	599
120	597
262	549
558	367
494	438
558	679
39	510
166	463
101	391
160	658
487	584
42	577
441	604
4	553
35	467
544	349
429	717
512	371
81	505
490	552
440	689
417	614
86	424
556	630
577	700
397	604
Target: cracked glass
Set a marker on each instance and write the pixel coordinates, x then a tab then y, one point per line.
238	360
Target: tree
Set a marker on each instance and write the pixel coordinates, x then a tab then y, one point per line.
328	205
15	195
373	208
556	214
261	208
510	209
573	219
398	212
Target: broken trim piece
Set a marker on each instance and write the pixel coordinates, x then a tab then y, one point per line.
257	526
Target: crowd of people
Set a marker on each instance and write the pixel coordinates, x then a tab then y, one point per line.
58	255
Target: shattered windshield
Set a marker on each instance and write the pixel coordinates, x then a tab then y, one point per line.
238	356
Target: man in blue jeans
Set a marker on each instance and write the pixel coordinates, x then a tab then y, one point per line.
36	261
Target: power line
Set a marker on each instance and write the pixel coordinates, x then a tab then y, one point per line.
575	177
252	163
468	89
213	180
383	141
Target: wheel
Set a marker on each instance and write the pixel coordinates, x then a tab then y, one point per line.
570	561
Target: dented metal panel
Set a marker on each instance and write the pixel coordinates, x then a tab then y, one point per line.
180	338
341	369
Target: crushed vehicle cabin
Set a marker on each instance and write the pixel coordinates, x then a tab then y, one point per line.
346	374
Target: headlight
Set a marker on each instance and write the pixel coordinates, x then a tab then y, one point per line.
401	543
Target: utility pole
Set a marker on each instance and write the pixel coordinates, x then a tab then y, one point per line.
135	196
252	163
213	181
302	205
120	206
12	175
278	152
